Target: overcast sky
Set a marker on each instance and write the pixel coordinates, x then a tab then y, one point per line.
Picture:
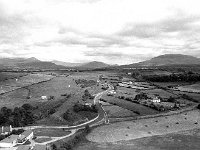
112	31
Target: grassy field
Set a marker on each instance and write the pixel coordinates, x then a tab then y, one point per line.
42	140
12	84
190	88
160	92
184	140
50	132
140	128
10	75
118	112
137	108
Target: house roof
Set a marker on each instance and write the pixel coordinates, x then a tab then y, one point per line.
27	133
10	139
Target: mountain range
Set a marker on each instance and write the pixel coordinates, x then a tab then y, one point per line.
34	63
167	59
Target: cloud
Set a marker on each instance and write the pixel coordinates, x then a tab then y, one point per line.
158	29
106	30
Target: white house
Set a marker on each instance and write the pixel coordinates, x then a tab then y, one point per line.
111	93
25	136
13	140
6	130
44	97
156	100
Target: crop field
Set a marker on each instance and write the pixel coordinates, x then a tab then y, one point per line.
50	132
137	108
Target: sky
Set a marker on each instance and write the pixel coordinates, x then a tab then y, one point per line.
111	31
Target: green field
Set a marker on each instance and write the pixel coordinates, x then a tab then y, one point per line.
50	132
118	112
42	140
137	108
10	75
186	140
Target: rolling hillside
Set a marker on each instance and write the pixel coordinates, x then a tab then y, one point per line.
167	59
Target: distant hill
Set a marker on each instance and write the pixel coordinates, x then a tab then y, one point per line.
94	65
27	63
67	64
168	59
15	61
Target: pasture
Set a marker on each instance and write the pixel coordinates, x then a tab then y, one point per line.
136	108
50	132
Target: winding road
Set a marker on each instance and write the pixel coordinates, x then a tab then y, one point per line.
102	115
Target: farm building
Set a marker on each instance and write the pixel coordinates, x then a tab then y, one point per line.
25	136
13	140
6	130
111	93
44	97
156	100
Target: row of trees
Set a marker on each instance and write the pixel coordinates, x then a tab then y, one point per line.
186	77
80	107
19	116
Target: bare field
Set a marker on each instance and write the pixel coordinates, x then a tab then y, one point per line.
145	127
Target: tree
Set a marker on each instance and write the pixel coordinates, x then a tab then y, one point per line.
27	107
87	128
171	99
53	147
198	106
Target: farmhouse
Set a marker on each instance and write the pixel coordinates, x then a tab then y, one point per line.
25	136
6	130
111	93
13	140
156	100
44	97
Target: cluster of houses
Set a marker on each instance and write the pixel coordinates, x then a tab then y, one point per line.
135	85
18	142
